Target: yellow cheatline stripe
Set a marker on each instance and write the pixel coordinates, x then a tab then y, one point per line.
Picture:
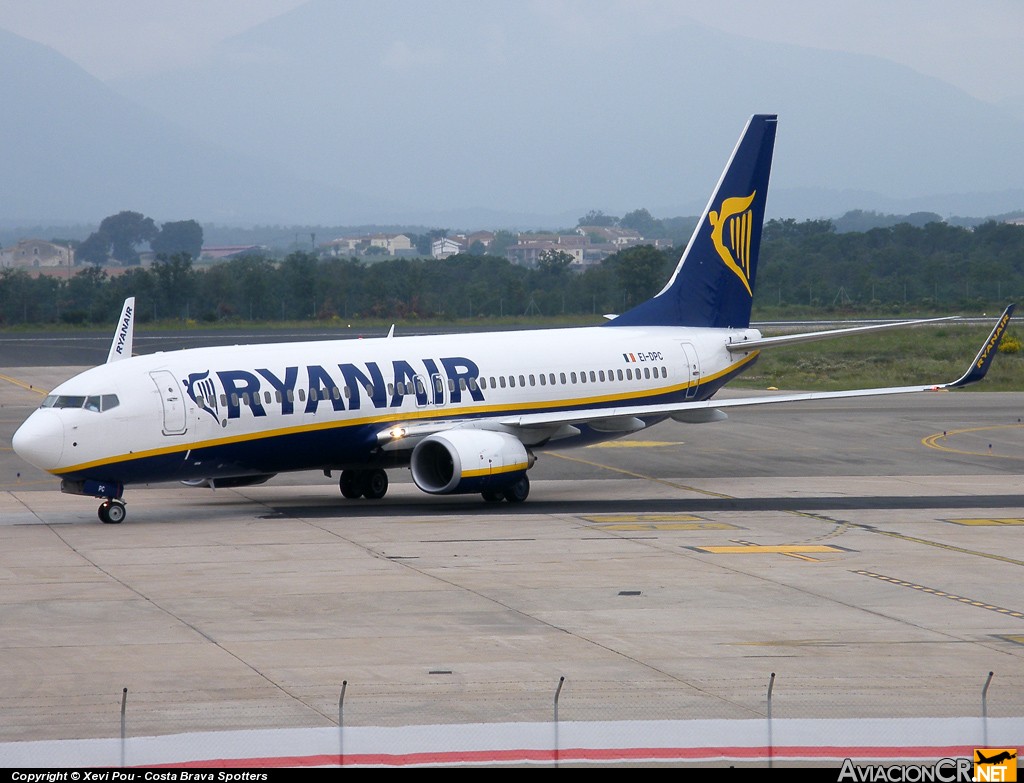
385	419
494	471
777	549
933	441
23	385
942	594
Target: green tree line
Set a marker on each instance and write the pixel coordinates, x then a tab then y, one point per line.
805	268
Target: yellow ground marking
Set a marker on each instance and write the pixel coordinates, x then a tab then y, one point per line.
774	549
791	643
988	522
1015	638
634	526
936	441
943	594
602	518
635	522
23	385
841	525
633	444
673	484
948	547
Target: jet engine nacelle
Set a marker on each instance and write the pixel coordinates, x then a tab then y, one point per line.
462	461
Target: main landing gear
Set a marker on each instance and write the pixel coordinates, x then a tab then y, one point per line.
513	493
369	484
112	512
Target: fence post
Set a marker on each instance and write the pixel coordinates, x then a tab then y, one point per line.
558	690
771	751
124	700
341	724
984	710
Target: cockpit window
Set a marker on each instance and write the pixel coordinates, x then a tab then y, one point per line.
95	402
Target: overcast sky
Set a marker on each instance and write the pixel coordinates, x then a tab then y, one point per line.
976	46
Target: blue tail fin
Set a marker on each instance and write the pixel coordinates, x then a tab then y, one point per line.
713	284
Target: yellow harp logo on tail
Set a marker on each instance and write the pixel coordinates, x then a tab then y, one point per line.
731	230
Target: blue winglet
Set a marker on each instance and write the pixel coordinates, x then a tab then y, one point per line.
988	351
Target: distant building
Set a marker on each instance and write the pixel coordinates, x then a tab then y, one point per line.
485	238
529	254
611	235
228	251
387	244
445	247
35	254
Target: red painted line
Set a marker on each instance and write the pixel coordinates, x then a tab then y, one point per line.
586	754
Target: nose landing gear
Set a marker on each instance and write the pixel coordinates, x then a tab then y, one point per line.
112	512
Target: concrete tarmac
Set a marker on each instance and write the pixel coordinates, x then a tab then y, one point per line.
865	552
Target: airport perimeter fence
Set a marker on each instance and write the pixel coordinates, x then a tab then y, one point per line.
447	720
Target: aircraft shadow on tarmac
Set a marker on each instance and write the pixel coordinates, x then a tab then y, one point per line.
633	506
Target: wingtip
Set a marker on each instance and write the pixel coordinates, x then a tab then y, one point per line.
979	367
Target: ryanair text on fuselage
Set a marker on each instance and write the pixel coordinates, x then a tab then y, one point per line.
343	389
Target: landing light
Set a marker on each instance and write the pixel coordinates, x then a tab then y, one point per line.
397	432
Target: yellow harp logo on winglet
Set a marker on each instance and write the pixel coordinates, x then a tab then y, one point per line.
731	230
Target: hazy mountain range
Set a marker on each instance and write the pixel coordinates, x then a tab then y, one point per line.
497	115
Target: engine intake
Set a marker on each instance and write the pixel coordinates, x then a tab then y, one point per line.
463	461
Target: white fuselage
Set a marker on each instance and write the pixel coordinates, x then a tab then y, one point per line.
243	410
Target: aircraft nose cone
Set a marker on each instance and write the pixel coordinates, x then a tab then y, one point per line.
40	440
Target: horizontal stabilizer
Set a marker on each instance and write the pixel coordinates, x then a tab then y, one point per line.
741	346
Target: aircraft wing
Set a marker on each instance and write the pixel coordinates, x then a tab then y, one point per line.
788	339
628	418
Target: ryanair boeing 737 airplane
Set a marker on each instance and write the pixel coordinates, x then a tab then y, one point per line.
465	413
